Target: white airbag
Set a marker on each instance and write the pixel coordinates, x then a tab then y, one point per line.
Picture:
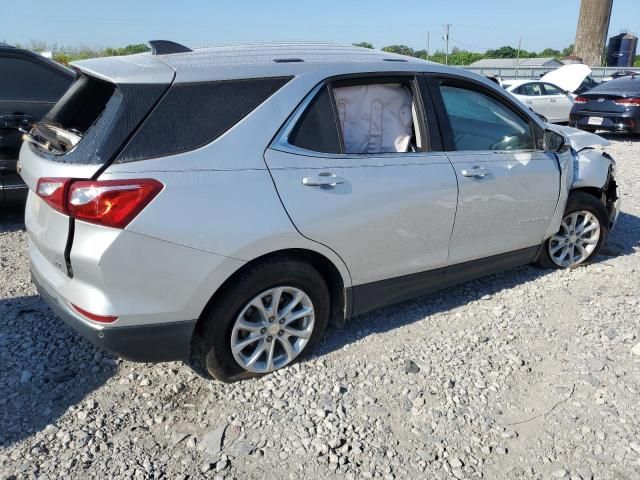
375	118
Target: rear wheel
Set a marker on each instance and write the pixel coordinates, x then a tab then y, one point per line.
582	233
272	314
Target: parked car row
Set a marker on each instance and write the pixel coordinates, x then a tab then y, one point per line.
569	95
234	201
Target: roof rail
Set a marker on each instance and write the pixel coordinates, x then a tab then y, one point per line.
166	47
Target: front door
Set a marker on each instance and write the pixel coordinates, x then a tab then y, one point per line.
508	188
355	172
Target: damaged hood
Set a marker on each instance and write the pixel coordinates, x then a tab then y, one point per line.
580	139
568	77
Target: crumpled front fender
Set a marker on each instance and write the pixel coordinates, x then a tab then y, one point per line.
584	165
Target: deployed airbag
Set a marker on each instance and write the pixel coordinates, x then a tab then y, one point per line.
375	118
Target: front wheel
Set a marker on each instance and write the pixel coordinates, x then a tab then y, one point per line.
582	233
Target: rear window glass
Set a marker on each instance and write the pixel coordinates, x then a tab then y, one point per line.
194	114
82	104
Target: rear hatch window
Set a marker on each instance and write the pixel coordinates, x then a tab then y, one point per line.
93	120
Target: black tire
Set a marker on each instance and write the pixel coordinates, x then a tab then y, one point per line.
579	201
213	336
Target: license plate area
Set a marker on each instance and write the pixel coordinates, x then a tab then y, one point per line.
595	120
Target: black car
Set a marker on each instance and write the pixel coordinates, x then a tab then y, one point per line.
30	85
612	106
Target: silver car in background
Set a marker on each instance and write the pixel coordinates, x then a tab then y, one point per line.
231	202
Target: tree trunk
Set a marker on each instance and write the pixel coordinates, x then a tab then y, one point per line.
593	26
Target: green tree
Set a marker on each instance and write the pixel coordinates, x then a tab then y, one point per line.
568	51
128	50
637	62
364	44
401	49
464	57
502	52
62	58
550	52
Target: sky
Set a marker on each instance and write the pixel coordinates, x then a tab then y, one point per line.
476	24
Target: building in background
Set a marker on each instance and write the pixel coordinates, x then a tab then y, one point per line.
593	26
621	51
510	63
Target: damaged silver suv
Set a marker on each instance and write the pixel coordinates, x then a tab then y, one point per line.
231	202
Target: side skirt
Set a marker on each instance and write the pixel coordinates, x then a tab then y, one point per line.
369	296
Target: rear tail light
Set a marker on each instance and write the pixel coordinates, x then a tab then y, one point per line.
93	316
112	203
628	102
580	100
54	192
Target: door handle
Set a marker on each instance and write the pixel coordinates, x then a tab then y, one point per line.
324	179
553	101
476	172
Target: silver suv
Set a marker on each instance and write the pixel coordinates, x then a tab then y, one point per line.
233	201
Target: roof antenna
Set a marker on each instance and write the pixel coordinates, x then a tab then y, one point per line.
167	47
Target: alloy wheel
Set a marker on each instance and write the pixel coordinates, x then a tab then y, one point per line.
272	329
577	239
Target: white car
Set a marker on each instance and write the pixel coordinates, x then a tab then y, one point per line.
546	99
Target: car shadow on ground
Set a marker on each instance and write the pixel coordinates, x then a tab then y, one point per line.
46	368
620	136
623	240
11	218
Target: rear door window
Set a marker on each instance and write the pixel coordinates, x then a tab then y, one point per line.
479	121
317	129
363	117
529	90
552	89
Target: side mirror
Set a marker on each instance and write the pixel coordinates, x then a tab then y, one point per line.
555	142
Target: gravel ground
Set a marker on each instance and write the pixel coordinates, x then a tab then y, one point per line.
526	374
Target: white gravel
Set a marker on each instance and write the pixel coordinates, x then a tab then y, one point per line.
526	374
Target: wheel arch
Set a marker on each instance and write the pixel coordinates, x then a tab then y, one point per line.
338	286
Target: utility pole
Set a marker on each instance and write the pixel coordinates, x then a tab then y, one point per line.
428	43
447	27
593	26
518	56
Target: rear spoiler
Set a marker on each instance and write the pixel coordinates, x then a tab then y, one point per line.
130	69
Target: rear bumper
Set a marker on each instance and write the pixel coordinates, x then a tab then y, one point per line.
610	122
145	343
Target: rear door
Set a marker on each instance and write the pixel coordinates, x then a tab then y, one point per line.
535	98
29	87
508	186
559	103
362	174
